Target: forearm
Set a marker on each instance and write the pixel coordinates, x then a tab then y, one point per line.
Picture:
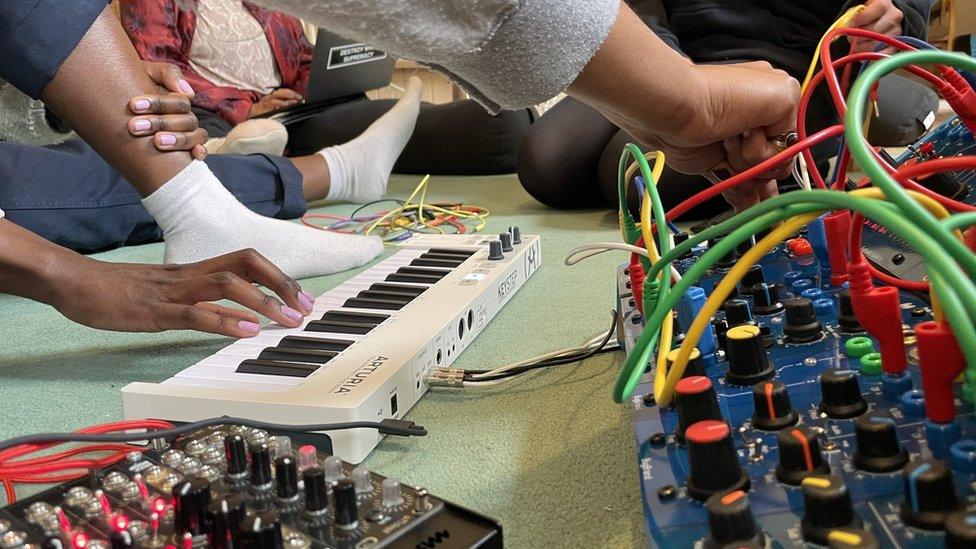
653	14
28	263
91	91
615	80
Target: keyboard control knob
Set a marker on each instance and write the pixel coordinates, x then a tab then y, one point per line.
748	363
516	234
730	520
827	505
737	313
802	325
346	509
799	455
878	450
765	299
841	395
772	405
235	452
695	400
960	528
506	240
261	531
191	500
714	463
495	251
930	494
261	464
316	491
845	313
286	477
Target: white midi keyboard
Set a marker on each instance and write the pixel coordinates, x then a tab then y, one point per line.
363	353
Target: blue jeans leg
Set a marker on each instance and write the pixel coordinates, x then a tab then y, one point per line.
67	194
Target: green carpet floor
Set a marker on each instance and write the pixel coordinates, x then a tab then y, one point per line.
550	456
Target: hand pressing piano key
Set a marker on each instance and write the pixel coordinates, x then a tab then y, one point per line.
153	298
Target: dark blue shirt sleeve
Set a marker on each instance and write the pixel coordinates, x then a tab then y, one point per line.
36	36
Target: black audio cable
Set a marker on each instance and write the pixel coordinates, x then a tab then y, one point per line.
557	361
398	427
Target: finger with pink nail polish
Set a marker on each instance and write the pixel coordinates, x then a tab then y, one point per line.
185	86
306	300
249	327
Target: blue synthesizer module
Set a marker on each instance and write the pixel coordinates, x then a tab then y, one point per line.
786	432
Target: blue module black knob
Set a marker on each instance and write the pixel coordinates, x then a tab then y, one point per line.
841	395
799	455
765	299
849	538
695	400
827	506
713	460
773	410
878	449
930	495
802	325
746	353
730	520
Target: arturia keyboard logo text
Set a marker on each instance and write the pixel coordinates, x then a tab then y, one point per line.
360	375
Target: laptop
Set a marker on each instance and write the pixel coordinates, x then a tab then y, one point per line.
341	70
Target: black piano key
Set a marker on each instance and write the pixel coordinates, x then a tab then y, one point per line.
417	279
385	304
380	294
445	257
349	316
404	288
441	263
316	343
451	251
290	354
276	368
339	327
424	271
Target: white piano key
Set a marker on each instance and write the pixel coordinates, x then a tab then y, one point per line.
227	384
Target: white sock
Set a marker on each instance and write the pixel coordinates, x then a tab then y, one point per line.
360	169
201	219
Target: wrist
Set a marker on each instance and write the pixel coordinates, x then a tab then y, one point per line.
34	268
697	107
58	275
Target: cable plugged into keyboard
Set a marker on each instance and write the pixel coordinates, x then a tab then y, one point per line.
445	377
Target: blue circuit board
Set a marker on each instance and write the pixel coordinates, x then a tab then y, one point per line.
888	251
673	519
